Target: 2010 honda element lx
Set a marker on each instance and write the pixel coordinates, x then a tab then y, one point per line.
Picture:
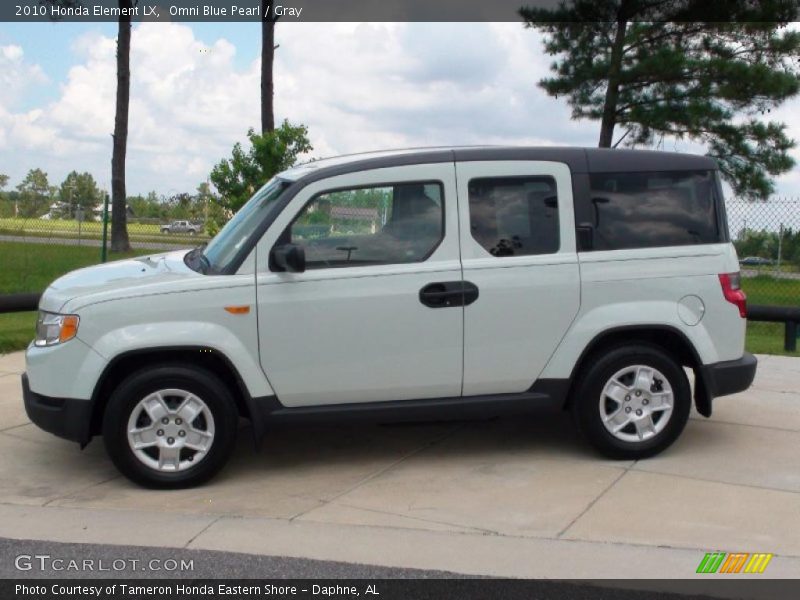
404	285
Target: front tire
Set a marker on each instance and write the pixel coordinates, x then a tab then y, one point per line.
632	402
170	427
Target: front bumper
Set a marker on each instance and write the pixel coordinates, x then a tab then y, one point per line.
731	376
65	417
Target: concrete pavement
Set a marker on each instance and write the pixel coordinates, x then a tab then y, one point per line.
515	498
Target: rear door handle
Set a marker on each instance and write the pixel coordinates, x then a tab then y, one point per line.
446	294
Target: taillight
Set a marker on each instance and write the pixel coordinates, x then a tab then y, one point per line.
733	292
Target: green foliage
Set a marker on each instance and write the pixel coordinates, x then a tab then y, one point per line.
148	207
80	189
765	245
240	176
34	194
3	181
680	68
208	205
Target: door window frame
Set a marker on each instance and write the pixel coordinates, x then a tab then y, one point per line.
520	178
446	255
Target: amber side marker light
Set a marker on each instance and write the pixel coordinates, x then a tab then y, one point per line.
69	329
238	310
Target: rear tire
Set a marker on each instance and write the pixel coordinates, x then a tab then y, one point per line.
631	402
170	427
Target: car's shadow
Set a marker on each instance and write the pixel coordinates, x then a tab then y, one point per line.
545	435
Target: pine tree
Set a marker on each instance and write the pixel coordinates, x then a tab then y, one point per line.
687	69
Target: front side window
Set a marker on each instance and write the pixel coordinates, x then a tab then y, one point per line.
652	209
514	216
385	224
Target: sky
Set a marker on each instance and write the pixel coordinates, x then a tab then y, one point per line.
357	86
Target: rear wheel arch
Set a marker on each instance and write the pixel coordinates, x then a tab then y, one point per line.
664	337
649	418
200	356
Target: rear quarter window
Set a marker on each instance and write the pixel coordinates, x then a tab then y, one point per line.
653	209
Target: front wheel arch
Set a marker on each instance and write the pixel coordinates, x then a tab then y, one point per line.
213	360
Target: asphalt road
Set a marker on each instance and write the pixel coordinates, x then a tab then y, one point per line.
206	564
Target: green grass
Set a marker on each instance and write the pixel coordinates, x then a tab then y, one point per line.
32	267
766	338
764	289
16	331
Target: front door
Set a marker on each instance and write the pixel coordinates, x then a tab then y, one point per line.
368	320
518	249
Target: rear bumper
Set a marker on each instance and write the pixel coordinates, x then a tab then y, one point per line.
65	417
731	376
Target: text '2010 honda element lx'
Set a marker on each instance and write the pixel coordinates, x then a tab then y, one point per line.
442	283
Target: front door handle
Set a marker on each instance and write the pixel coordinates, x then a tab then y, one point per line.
446	294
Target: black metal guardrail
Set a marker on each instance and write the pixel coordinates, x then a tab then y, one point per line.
10	303
789	315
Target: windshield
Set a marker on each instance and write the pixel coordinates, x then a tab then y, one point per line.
223	249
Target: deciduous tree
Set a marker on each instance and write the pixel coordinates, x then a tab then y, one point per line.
238	177
80	189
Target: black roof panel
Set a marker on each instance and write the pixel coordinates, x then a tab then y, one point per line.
579	160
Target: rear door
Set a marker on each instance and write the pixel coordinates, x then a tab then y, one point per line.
518	248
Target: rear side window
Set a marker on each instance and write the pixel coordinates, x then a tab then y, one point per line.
514	216
652	209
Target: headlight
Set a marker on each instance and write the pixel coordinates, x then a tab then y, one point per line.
52	329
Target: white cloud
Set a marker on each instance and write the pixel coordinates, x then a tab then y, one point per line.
16	75
188	105
358	86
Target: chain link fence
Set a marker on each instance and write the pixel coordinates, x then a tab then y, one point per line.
767	239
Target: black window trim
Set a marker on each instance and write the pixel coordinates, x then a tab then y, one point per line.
348	188
523	177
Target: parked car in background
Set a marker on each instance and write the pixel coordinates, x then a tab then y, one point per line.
755	261
409	285
181	227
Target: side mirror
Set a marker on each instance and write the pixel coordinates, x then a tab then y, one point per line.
289	258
